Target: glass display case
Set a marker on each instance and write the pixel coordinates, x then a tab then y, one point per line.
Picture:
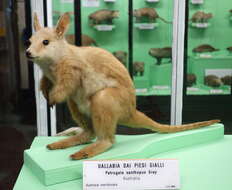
142	44
178	53
208	62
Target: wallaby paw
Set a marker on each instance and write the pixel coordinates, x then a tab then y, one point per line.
79	155
56	96
55	146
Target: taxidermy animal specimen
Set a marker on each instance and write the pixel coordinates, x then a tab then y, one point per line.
212	81
227	80
85	40
160	53
103	15
201	17
191	79
204	48
229	49
138	68
97	87
149	13
121	56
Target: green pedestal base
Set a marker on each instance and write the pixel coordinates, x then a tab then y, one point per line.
53	167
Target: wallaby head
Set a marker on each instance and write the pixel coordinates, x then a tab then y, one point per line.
136	13
48	44
208	15
115	14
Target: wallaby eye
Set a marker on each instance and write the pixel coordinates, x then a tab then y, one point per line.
45	42
27	43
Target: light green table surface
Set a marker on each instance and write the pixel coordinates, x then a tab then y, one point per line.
202	166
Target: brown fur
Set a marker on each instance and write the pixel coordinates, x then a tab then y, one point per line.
148	12
212	81
138	68
97	87
191	79
85	40
121	56
160	53
204	48
103	15
201	16
227	80
229	49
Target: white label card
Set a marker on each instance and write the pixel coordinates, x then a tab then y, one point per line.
216	91
152	1
192	89
104	27
131	174
161	87
67	1
91	3
141	90
197	1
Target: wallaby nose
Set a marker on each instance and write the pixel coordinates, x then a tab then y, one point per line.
28	54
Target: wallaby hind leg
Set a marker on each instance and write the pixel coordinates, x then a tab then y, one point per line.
82	138
85	136
104	118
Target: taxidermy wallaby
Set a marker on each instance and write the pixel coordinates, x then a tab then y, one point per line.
97	87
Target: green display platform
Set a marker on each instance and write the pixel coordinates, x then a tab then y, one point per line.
203	167
53	167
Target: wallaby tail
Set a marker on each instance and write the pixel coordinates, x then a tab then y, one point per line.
185	127
139	120
168	22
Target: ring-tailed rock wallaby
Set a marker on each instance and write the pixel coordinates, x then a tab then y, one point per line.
97	87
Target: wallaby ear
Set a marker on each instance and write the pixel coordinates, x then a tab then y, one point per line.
62	25
36	23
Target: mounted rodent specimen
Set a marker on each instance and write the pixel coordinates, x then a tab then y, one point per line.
138	68
212	81
149	13
97	87
229	49
85	40
160	53
204	48
121	56
191	79
201	17
227	80
103	16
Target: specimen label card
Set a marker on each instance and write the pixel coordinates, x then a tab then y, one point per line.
131	174
91	3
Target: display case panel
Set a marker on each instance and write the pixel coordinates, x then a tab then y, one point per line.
152	47
142	43
209	61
